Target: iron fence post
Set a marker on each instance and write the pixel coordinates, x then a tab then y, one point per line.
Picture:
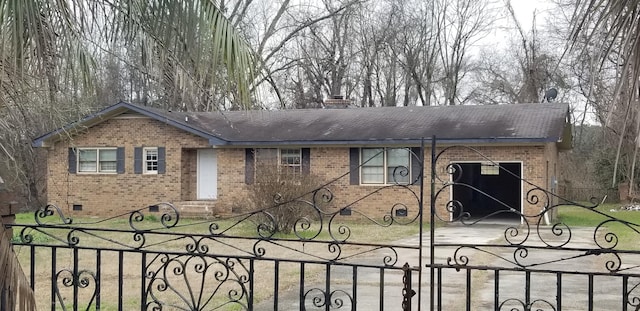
431	224
407	291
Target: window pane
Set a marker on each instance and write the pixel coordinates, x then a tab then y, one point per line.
152	154
152	166
290	160
372	171
87	160
398	165
107	160
151	160
87	155
397	157
266	164
489	169
87	166
290	171
267	156
109	166
397	174
372	175
107	155
290	157
372	157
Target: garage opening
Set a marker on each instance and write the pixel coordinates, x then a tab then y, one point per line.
492	189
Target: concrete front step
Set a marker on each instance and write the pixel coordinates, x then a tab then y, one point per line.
196	209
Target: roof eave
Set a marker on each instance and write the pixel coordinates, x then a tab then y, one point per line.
112	111
408	141
70	129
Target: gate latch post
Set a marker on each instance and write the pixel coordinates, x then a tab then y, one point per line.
407	291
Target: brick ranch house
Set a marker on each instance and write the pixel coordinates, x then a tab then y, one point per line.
127	156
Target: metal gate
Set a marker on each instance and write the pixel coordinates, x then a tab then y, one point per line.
533	261
154	259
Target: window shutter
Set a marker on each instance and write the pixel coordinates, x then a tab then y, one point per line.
137	160
417	161
354	166
120	160
72	161
162	160
306	161
249	166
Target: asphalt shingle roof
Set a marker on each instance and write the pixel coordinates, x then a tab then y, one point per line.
518	121
496	123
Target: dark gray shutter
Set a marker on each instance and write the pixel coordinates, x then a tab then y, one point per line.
249	166
417	161
306	161
354	166
137	160
162	160
120	160
72	161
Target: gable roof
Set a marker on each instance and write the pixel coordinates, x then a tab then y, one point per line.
516	123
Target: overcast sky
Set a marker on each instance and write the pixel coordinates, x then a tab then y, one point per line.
524	11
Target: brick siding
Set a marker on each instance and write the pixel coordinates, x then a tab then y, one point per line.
111	194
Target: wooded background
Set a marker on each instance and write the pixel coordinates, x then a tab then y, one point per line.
61	60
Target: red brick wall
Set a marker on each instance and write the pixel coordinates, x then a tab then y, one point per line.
111	194
532	158
332	163
189	174
231	183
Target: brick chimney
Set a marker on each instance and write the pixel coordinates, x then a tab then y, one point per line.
336	102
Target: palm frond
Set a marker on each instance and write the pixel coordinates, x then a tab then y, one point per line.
611	30
55	37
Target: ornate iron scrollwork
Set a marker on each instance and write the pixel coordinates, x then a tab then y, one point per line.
535	242
84	280
208	264
322	300
196	282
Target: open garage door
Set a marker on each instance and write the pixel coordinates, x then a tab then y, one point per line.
485	189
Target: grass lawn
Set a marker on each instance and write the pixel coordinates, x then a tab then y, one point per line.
624	224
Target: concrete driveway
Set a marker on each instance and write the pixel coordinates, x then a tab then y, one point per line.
607	289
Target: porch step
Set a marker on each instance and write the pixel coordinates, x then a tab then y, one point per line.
197	209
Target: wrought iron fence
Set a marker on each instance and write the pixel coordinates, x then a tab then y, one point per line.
537	262
160	261
530	261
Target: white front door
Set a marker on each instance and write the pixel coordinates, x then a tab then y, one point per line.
207	174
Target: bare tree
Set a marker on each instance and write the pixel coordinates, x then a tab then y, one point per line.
420	50
606	35
522	72
464	22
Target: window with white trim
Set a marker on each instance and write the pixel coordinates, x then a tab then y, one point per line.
488	168
385	165
272	160
291	160
97	160
150	156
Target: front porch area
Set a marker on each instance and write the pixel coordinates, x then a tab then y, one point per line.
205	209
